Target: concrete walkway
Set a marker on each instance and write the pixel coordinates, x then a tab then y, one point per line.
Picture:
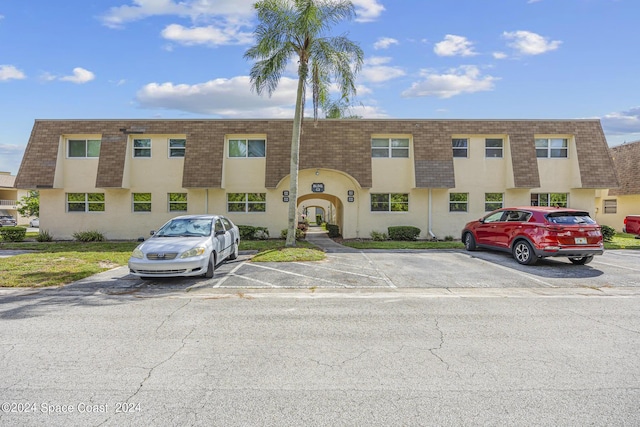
320	237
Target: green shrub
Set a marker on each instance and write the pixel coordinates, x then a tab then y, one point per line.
608	233
378	237
318	219
13	234
249	232
44	236
88	236
448	238
299	234
403	232
334	230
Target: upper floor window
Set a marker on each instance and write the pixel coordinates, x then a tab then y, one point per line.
493	147
141	202
247	202
559	200
177	202
458	202
247	148
177	147
460	147
82	148
391	202
390	147
493	201
85	202
141	148
552	147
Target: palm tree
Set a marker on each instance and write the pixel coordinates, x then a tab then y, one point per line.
294	29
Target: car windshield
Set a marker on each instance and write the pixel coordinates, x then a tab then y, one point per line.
570	218
186	228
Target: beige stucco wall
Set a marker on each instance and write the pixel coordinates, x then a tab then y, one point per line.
626	205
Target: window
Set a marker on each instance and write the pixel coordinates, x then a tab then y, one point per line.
83	148
550	199
177	147
141	202
246	202
458	202
493	148
392	202
552	147
610	206
460	147
141	148
177	202
247	148
493	201
390	147
85	202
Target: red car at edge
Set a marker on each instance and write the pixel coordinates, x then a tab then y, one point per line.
535	232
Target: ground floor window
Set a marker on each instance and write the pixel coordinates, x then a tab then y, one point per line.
177	202
611	206
559	200
85	202
493	201
141	202
390	202
246	202
458	202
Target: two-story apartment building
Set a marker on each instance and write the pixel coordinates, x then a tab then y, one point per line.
126	177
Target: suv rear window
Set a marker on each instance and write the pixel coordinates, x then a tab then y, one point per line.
570	218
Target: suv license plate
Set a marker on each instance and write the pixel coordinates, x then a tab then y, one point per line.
581	240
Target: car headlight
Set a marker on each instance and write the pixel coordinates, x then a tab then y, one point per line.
137	253
193	252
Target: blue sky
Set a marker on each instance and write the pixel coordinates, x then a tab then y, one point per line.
433	59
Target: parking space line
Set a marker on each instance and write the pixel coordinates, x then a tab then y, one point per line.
381	273
614	265
301	275
339	271
226	276
251	279
520	273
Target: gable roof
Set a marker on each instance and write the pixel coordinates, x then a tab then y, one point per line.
626	158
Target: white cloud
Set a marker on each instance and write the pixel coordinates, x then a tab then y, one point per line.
79	76
528	43
229	98
384	43
375	70
367	10
499	55
453	45
623	122
209	35
9	72
465	79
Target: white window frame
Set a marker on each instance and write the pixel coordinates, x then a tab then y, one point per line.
464	149
86	148
487	203
87	203
170	203
182	149
136	150
549	148
135	202
389	202
610	206
247	142
459	202
549	196
247	203
390	148
494	149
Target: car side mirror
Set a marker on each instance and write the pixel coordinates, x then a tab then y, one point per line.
219	232
481	220
152	232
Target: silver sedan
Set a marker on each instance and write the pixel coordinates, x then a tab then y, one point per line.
189	245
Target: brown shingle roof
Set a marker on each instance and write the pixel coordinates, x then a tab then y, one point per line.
626	158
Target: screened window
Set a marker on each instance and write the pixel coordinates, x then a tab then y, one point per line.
559	200
552	148
247	148
246	202
141	202
83	148
85	202
141	148
390	147
460	147
610	206
493	148
458	202
493	201
177	147
390	202
177	202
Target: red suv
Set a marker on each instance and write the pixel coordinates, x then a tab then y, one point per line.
533	232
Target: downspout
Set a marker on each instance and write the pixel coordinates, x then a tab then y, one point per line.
206	201
430	213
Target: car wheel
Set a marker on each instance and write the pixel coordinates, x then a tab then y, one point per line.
582	260
211	266
469	242
523	253
234	252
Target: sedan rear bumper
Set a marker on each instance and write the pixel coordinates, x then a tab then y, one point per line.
570	252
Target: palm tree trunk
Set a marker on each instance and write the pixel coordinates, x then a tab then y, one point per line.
295	155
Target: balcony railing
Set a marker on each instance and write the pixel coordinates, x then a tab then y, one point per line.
8	204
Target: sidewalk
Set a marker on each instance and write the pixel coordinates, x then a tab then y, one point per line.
320	237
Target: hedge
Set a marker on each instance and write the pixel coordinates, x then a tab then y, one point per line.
403	232
13	234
